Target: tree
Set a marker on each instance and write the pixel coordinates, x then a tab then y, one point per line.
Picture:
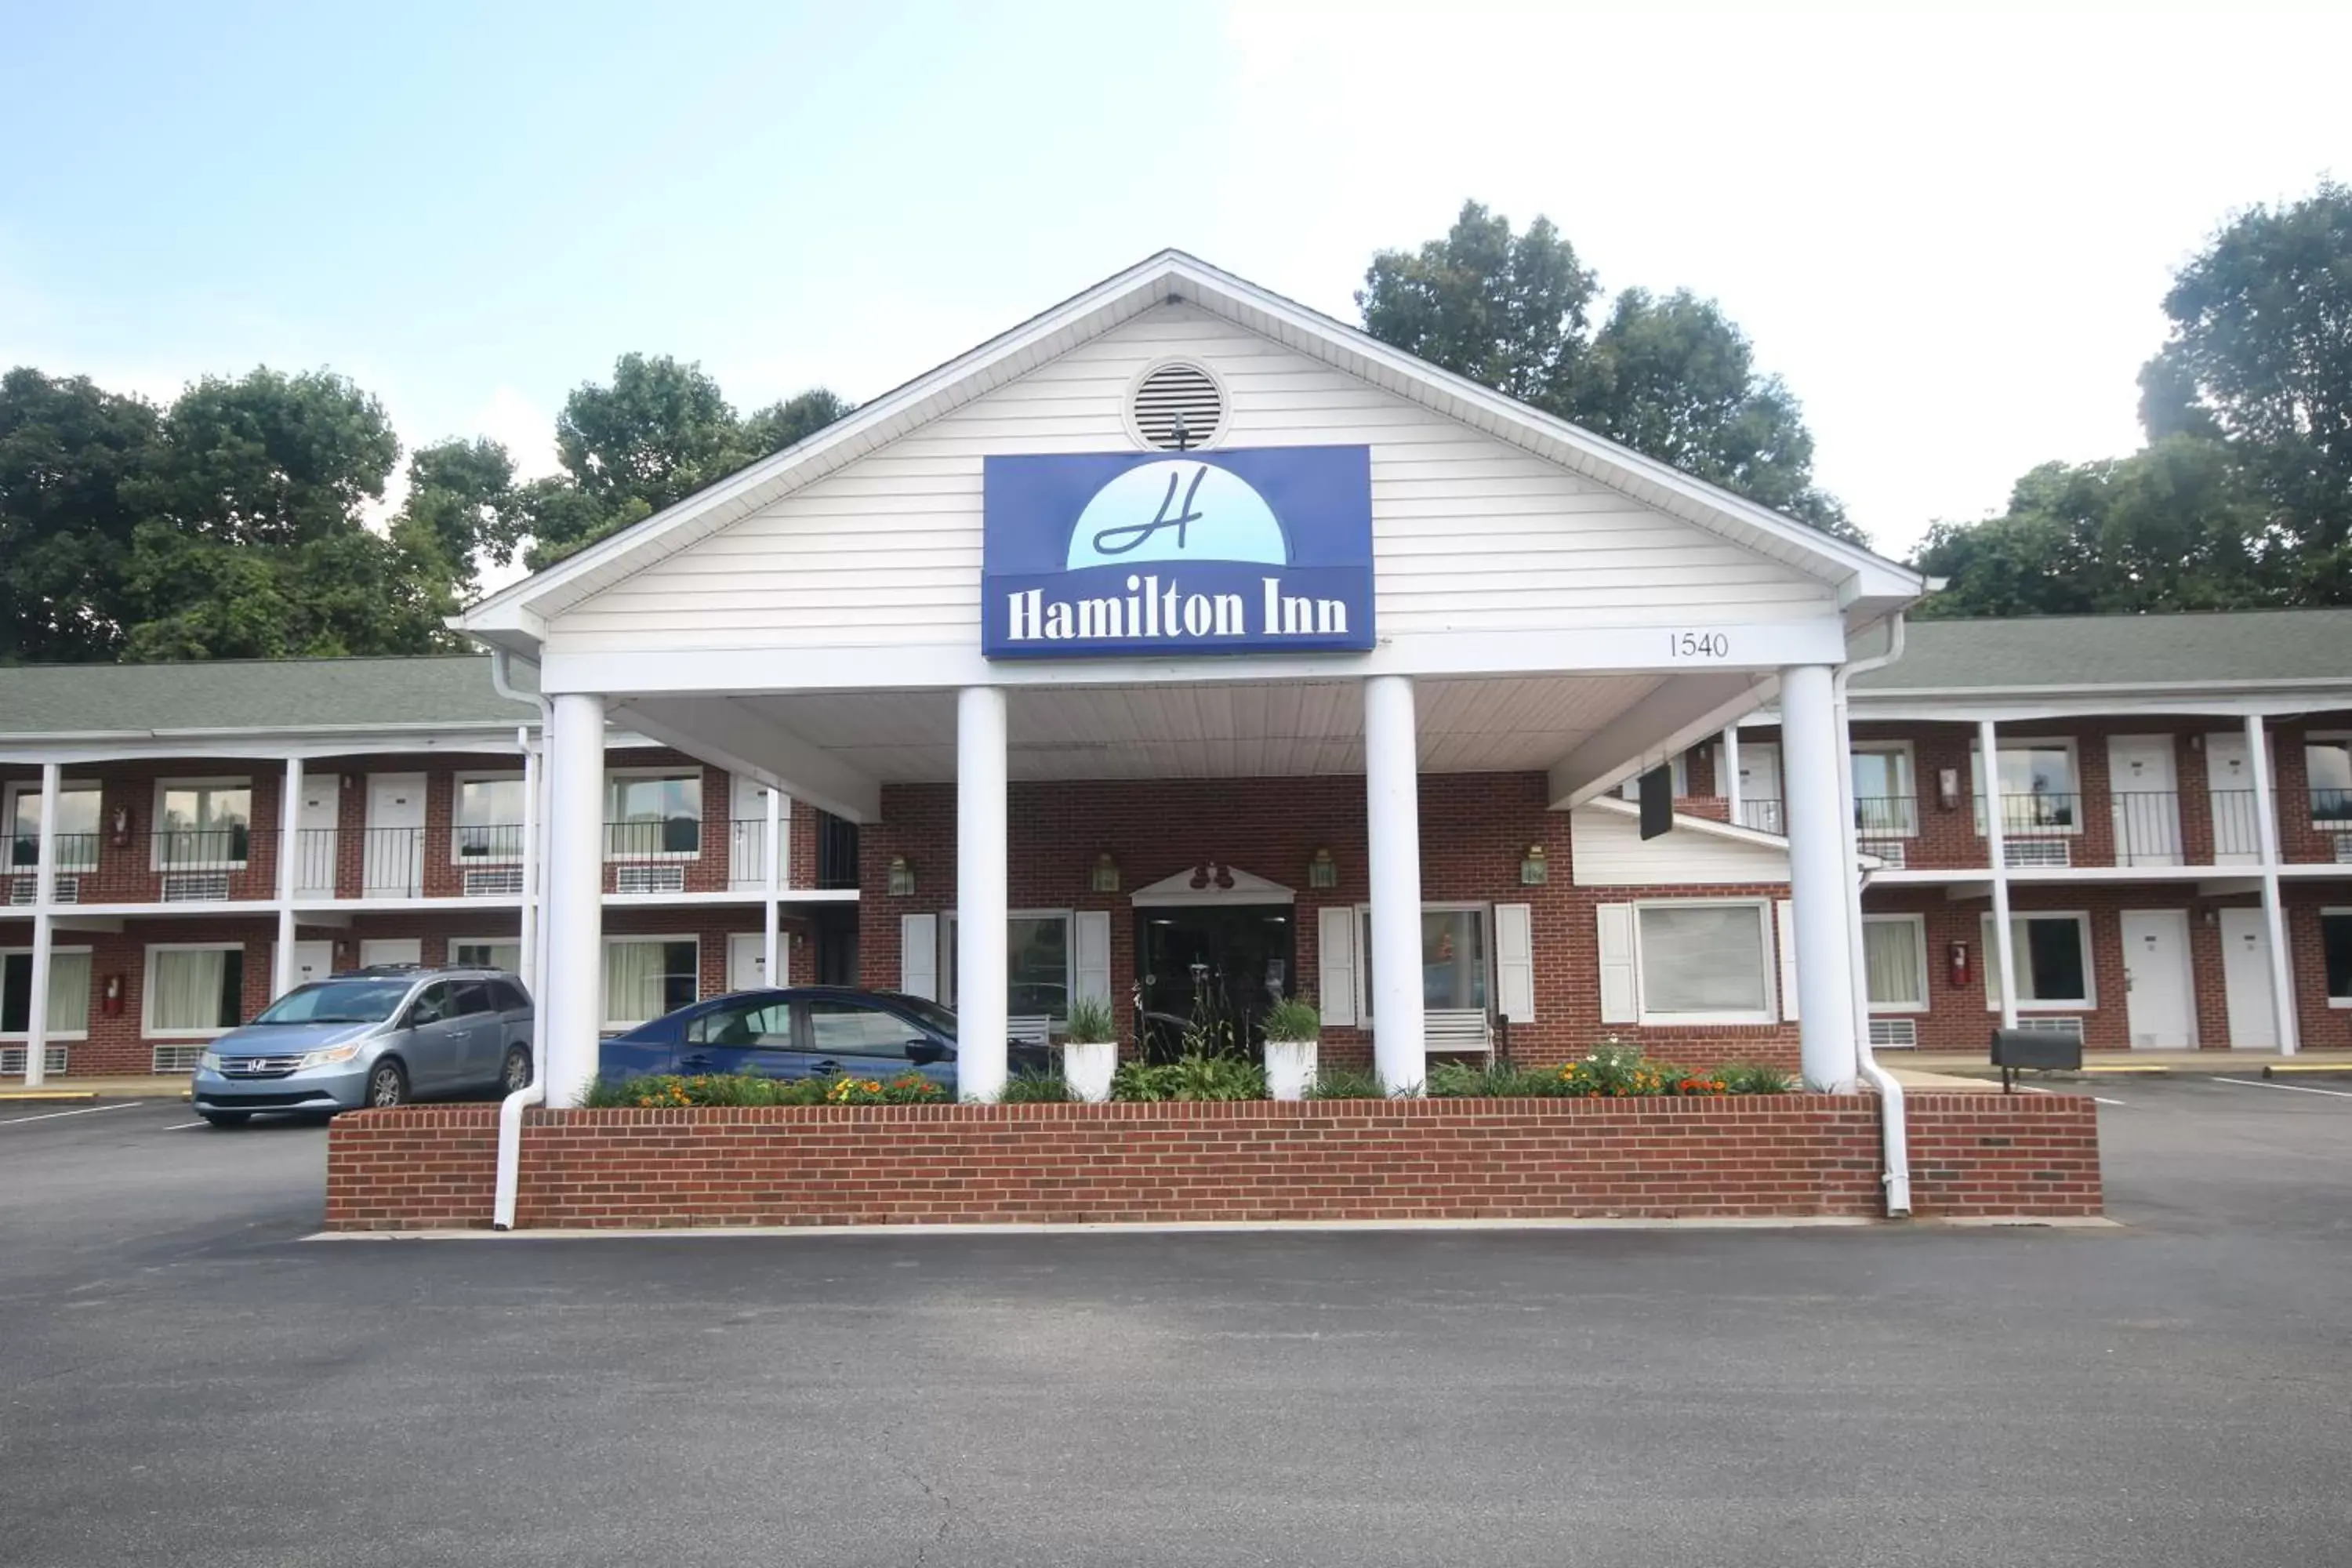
2177	526
462	504
67	447
1672	378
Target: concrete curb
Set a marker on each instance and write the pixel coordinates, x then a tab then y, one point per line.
47	1096
1228	1227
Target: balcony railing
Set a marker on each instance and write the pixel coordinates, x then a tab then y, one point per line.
75	852
2146	828
2039	812
748	854
672	839
836	851
1761	813
1886	816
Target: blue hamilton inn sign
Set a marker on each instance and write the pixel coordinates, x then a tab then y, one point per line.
1257	551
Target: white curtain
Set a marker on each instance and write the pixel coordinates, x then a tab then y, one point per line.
633	982
1702	958
68	992
187	989
1890	951
506	956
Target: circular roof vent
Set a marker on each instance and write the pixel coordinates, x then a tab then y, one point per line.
1178	407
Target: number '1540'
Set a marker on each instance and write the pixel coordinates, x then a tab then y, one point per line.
1699	645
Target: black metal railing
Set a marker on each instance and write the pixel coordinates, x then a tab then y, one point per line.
748	853
2237	827
2040	812
1761	813
670	838
1886	816
75	851
497	843
202	848
836	851
2146	825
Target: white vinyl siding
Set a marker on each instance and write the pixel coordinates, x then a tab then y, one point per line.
1606	849
886	551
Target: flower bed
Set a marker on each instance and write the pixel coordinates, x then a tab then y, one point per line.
1665	1156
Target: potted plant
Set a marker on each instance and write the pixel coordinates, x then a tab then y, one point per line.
1089	1050
1293	1026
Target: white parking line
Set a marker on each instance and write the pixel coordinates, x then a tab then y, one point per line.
53	1115
2290	1088
2103	1099
181	1126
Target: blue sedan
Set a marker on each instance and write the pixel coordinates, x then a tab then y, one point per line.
808	1031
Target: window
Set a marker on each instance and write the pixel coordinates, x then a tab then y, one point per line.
653	816
2052	956
845	1029
2328	762
197	989
486	819
78	814
68	992
203	823
1885	796
1037	963
2335	944
508	997
436	1004
1697	962
1894	960
2037	788
646	977
1453	958
764	1024
485	952
337	1002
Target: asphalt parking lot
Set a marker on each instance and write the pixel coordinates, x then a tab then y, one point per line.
186	1380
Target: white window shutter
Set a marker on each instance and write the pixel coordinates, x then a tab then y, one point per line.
918	955
1092	943
1620	1002
1515	962
1785	914
1335	942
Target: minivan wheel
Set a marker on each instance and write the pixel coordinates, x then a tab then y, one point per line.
227	1117
387	1085
516	1074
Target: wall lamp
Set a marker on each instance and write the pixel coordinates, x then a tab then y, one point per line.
1322	871
1106	874
1534	869
902	877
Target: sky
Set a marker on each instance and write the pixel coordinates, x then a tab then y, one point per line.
1951	236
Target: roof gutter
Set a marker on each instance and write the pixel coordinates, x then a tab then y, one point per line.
510	1109
1893	1128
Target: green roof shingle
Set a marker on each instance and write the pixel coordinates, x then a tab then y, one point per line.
2081	652
254	695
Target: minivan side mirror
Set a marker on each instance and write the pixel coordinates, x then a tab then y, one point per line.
924	1052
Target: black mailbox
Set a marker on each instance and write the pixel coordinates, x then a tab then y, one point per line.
2014	1049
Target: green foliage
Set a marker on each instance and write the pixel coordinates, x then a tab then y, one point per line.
1671	377
1188	1078
1498	1081
67	447
1293	1019
1345	1083
1754	1077
1610	1070
1089	1022
1036	1088
670	1091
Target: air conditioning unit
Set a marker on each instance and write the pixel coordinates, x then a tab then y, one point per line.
1895	1032
195	887
1894	853
177	1058
2072	1026
649	878
2029	852
11	1060
2344	850
24	889
499	883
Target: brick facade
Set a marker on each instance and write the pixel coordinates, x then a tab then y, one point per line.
1972	1154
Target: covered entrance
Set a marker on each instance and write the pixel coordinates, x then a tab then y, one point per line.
1215	948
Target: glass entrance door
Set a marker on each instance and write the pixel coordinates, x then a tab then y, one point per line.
1214	969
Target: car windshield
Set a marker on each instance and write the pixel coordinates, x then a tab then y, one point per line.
338	1002
929	1014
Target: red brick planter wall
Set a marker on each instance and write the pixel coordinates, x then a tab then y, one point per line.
1781	1155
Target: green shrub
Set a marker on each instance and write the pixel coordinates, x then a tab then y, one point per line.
1037	1089
1293	1019
1753	1078
1347	1083
1090	1023
1141	1083
1493	1080
1222	1077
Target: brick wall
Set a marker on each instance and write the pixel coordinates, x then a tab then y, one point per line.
1474	829
1973	1154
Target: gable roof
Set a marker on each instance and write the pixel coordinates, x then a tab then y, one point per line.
255	696
515	616
2073	653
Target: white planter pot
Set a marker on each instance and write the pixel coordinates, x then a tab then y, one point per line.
1086	1068
1289	1069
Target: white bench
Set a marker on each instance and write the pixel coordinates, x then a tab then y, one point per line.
1457	1029
1030	1029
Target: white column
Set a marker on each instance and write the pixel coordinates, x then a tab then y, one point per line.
1819	883
44	893
2003	956
289	847
982	978
776	855
1728	786
527	930
1392	824
2274	911
570	998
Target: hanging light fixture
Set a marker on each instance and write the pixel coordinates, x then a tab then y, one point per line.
1105	873
902	877
1322	871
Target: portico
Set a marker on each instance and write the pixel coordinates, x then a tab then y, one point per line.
1415	621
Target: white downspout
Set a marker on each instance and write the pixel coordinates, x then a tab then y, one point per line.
510	1109
1895	1136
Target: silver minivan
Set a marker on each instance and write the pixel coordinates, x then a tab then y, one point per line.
376	1036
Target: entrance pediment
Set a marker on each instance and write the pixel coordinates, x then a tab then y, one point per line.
1211	882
